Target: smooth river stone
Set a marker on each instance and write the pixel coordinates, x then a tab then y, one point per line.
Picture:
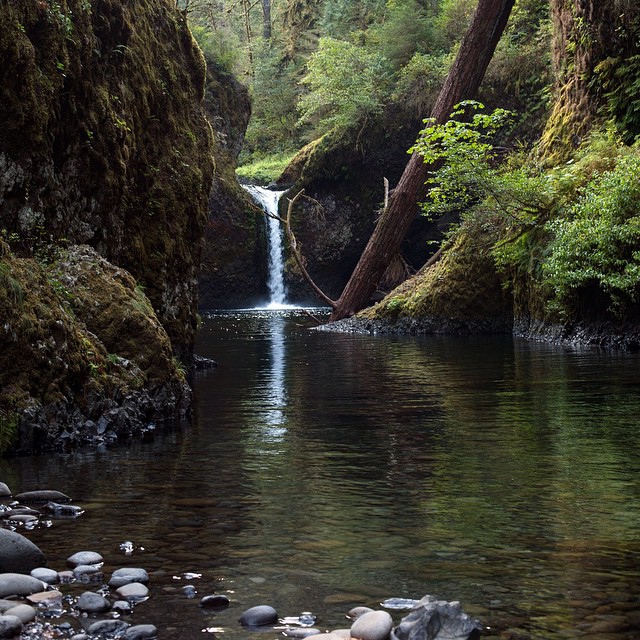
358	612
214	602
25	612
46	575
259	616
5	492
49	599
18	554
140	632
10	626
132	591
374	625
17	584
127	575
301	632
84	558
91	602
108	627
42	496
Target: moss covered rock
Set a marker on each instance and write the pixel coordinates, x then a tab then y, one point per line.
84	356
104	141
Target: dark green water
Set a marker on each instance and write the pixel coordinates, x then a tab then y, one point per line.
322	471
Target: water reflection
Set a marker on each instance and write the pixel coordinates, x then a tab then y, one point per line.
322	471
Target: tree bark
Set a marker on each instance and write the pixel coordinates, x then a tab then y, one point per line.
266	19
465	76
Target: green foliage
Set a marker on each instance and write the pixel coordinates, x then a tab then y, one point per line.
264	170
463	151
347	84
341	17
275	93
221	46
14	291
598	243
8	430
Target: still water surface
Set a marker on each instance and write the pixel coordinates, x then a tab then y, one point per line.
323	471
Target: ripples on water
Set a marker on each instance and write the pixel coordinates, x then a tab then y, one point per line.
323	471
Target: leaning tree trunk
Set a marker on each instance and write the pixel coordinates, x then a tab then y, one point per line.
465	76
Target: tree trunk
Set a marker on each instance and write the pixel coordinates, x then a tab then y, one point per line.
266	19
465	76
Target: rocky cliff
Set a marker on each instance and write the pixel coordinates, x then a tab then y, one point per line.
106	166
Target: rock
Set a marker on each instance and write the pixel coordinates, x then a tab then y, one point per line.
326	636
87	573
10	626
373	625
259	616
140	632
46	575
42	496
342	633
25	612
85	558
399	603
63	510
357	612
5	492
48	599
127	575
133	591
106	627
122	606
189	591
17	554
214	602
91	602
433	619
304	632
17	584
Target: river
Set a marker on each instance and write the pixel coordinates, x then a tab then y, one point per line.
322	471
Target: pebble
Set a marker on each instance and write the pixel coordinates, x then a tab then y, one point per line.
122	606
91	602
86	573
133	591
42	496
374	625
49	599
259	616
85	558
17	584
301	632
127	575
357	612
10	626
25	612
214	602
140	632
106	627
46	575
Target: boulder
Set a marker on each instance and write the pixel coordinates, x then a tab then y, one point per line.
18	554
433	619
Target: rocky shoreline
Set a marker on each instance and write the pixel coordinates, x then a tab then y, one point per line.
607	335
82	602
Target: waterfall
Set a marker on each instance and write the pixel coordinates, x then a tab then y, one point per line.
268	200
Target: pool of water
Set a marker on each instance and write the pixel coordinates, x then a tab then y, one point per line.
322	471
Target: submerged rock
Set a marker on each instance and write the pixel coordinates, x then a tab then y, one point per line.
433	619
17	554
42	496
259	616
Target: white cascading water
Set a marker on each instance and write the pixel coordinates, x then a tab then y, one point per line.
268	200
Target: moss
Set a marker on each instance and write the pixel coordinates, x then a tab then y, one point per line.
106	142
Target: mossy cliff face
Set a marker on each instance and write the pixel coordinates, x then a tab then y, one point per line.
234	257
103	141
460	294
84	357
